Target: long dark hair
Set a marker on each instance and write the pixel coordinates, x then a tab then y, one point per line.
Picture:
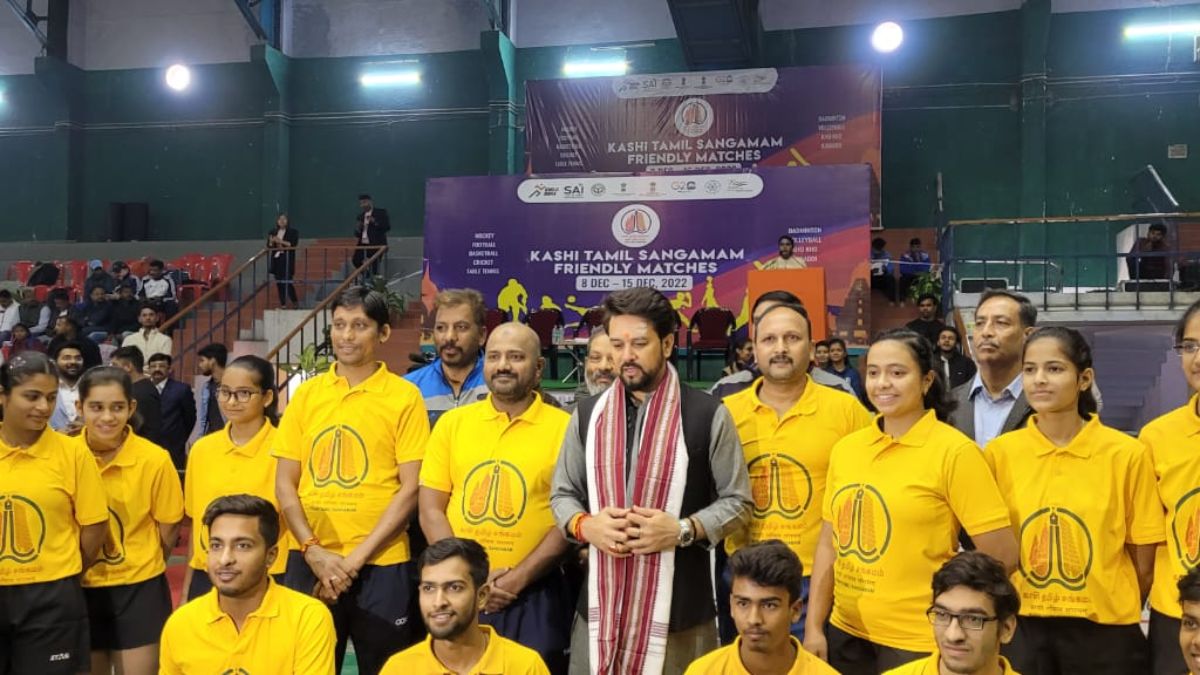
922	351
1078	352
24	366
264	375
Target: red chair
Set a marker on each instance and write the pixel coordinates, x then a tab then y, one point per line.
492	318
220	265
140	267
590	321
715	328
20	270
543	322
75	273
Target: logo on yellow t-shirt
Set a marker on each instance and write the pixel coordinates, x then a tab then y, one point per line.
113	551
494	491
338	457
236	671
22	529
1056	548
779	486
862	525
1185	529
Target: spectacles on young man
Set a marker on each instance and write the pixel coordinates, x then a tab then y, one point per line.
940	617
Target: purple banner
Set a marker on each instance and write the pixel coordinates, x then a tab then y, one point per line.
564	242
705	120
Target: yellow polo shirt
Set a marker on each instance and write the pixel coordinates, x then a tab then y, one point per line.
288	633
728	661
48	492
787	458
216	467
1073	510
497	472
1172	442
501	657
929	666
143	490
896	506
349	442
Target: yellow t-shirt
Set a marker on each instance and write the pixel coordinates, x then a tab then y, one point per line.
728	661
216	468
288	633
1073	510
349	442
501	657
143	490
787	459
1171	441
896	507
929	666
48	492
497	473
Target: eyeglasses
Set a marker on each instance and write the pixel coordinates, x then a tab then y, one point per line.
1189	347
241	395
940	617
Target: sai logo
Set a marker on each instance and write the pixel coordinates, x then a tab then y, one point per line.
1056	548
779	485
22	529
494	491
1185	529
338	457
635	226
113	551
862	525
694	117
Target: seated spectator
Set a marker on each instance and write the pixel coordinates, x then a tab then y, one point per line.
913	262
882	276
67	329
22	341
160	288
60	304
10	314
927	324
36	316
741	358
98	278
43	274
1150	267
97	315
125	311
123	277
148	338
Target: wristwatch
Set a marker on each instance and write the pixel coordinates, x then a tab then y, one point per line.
686	534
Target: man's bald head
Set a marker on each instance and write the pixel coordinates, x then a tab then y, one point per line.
512	365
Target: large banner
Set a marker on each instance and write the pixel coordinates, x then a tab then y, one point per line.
705	120
563	243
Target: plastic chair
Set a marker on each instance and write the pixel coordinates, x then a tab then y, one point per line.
590	321
715	328
20	270
543	322
494	317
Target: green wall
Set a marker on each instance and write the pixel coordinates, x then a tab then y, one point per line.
1022	112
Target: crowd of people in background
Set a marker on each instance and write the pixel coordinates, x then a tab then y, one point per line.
870	519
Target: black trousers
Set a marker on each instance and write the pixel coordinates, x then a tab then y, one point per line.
852	655
1166	657
1067	646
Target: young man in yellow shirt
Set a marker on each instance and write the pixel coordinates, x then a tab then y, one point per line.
766	602
1189	626
247	623
974	613
349	449
788	425
486	476
453	590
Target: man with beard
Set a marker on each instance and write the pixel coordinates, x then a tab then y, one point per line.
148	338
974	614
177	406
246	623
651	476
67	329
788	425
68	356
927	324
486	474
210	362
599	370
453	591
456	377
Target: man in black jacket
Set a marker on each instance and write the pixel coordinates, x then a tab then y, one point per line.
370	232
149	406
178	408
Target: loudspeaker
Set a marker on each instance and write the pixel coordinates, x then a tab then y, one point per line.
981	285
115	227
137	222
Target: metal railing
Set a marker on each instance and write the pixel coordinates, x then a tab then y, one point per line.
237	304
314	345
1037	258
